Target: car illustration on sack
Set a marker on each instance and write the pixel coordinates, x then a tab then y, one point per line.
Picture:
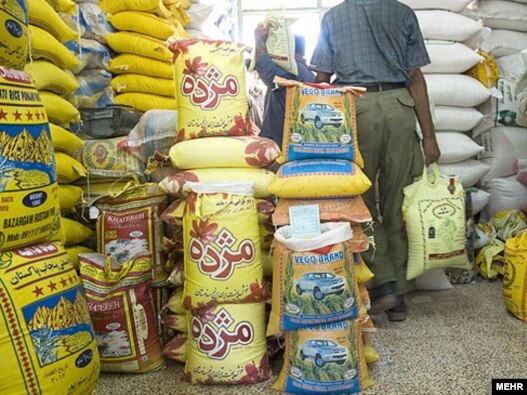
322	351
321	114
320	284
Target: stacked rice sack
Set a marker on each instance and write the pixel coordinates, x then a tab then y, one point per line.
210	19
45	323
218	176
143	77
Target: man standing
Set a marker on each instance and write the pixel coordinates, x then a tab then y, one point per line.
273	119
378	44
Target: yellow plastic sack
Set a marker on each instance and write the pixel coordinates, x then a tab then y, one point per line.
210	87
515	278
143	23
266	235
143	84
42	14
70	196
176	322
222	246
175	303
486	71
93	190
14	44
324	359
45	46
177	348
211	152
67	6
115	6
48	77
64	140
74	252
319	178
29	206
68	169
59	110
47	340
145	101
122	312
262	179
138	44
75	233
434	213
320	122
313	279
227	345
362	271
178	15
135	64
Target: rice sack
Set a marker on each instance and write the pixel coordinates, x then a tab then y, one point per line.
227	345
14	45
320	122
325	359
222	245
319	178
47	339
515	277
210	89
122	311
313	279
29	209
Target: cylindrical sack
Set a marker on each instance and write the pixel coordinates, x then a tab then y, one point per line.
515	278
14	44
222	245
434	213
313	279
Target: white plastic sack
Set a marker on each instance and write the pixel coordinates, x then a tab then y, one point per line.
520	168
433	280
331	233
198	14
449	57
457	90
469	171
503	146
506	194
447	5
456	147
505	42
503	15
480	199
461	119
445	25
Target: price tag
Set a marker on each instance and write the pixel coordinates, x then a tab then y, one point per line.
305	221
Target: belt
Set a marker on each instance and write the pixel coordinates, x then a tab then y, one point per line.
383	87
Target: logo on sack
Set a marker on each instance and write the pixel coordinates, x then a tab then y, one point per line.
216	338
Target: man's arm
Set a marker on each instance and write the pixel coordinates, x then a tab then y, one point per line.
419	93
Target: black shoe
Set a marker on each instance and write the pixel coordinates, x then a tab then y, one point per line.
397	313
382	297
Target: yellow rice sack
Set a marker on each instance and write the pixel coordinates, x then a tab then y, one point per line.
70	196
222	245
267	263
175	302
103	159
177	322
177	348
320	122
48	77
266	235
487	71
45	46
115	6
68	169
74	232
313	279
47	339
227	345
135	64
515	278
67	6
122	311
59	110
145	101
29	208
325	359
143	84
262	179
330	210
64	140
74	252
362	271
178	15
94	190
211	152
434	213
143	23
42	14
14	44
210	87
319	178
138	44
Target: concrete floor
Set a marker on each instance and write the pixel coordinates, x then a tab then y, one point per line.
453	342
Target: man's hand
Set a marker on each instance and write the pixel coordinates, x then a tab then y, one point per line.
431	150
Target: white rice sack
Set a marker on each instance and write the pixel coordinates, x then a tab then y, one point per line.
505	42
503	146
447	5
445	25
506	194
514	66
503	15
461	119
198	13
469	171
457	90
456	147
480	199
433	280
449	57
